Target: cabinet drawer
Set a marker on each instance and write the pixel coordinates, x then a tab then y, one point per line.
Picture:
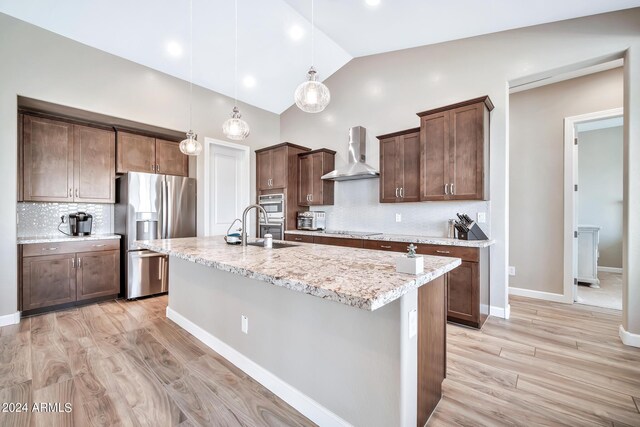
381	245
338	241
466	254
38	249
298	238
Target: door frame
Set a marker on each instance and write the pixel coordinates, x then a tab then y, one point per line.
570	199
246	165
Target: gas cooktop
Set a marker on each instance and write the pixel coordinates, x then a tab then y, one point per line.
353	233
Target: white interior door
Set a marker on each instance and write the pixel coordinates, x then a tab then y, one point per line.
227	189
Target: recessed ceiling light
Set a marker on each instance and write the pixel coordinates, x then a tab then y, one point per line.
249	81
372	3
174	49
296	32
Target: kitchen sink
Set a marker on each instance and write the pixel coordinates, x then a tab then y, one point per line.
276	245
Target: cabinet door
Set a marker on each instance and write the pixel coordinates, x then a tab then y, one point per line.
466	151
94	165
98	274
434	144
279	167
263	170
135	153
389	160
317	168
463	293
48	280
170	160
409	176
47	160
305	179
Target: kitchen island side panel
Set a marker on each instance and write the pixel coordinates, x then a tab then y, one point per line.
358	364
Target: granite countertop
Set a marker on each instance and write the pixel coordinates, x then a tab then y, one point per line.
63	238
402	238
361	278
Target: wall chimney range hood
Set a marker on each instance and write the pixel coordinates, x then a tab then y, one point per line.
356	168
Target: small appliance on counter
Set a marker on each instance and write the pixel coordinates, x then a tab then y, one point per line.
311	220
467	229
80	224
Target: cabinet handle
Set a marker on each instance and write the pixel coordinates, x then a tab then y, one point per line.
397	192
98	246
73	263
297	239
71	192
446	189
385	246
402	192
50	249
79	262
77	193
443	252
452	191
311	197
157	168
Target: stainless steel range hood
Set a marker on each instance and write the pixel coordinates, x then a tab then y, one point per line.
356	168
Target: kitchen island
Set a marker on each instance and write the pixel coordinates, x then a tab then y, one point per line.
334	331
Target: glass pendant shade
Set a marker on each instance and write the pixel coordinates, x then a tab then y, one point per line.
235	128
312	96
190	146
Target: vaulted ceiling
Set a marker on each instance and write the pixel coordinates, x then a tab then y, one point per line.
274	35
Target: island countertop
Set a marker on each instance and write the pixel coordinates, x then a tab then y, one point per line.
360	278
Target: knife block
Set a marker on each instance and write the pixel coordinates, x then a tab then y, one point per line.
475	233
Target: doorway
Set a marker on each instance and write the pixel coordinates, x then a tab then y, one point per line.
226	184
594	206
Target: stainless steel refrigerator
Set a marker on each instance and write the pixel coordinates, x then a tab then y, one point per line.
151	206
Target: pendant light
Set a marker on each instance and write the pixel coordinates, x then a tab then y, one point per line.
312	96
190	146
235	128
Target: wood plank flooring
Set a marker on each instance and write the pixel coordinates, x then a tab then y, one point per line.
551	364
124	363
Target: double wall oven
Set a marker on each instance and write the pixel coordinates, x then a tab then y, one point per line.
274	204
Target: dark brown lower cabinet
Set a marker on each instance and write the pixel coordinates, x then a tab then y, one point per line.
95	274
463	293
48	280
68	277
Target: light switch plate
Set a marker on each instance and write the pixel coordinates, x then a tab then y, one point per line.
482	217
398	217
512	270
245	324
413	323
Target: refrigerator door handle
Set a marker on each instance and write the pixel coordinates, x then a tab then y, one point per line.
164	207
168	208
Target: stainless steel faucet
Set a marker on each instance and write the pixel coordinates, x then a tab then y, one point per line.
243	235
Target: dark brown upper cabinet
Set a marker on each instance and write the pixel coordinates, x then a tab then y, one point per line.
400	166
140	153
272	168
312	189
455	151
64	162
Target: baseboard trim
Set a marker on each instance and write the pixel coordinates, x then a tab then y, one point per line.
629	338
617	270
10	319
500	312
294	397
547	296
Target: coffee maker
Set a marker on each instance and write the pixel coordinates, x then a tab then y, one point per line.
80	224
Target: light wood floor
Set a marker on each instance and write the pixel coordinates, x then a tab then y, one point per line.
124	363
549	365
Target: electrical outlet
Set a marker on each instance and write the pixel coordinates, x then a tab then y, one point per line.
245	324
398	217
482	217
512	270
413	323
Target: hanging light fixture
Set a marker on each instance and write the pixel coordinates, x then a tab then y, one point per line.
235	128
312	96
190	146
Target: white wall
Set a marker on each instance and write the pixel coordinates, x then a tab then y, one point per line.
45	66
600	189
536	176
383	93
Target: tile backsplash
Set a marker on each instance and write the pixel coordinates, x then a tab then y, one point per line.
357	208
42	219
